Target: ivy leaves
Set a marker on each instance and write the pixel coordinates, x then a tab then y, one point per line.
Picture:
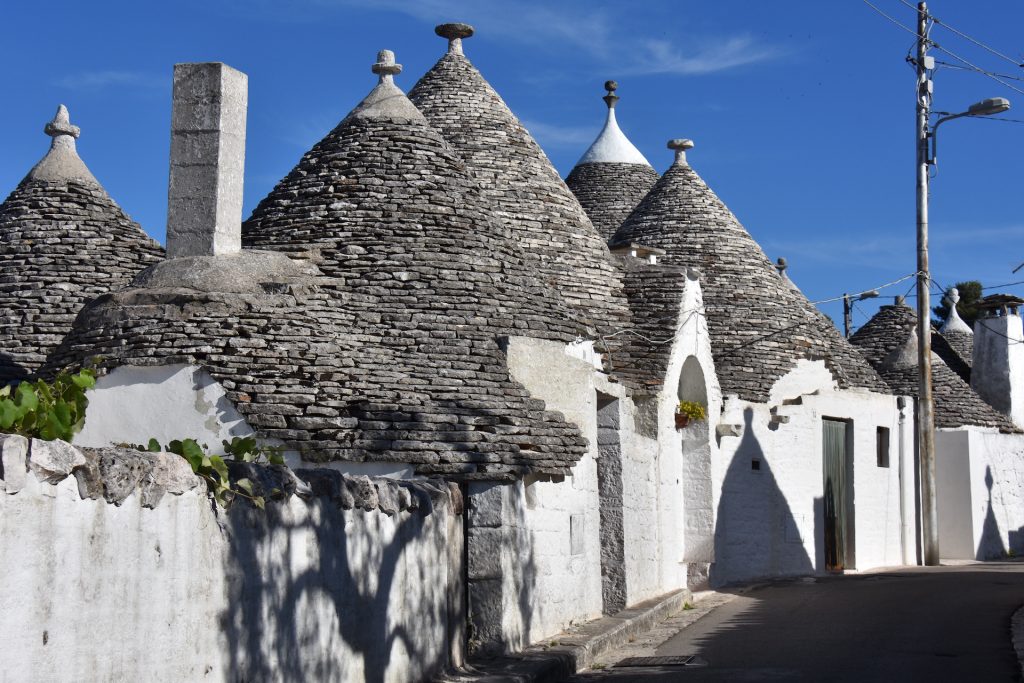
214	468
44	410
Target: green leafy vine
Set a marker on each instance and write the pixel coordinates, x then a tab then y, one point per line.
214	468
46	410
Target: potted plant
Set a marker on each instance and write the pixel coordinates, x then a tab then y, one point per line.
689	410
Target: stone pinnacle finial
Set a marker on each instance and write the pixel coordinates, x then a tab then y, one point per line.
900	301
611	98
781	264
386	67
62	163
954	323
454	33
680	145
61	124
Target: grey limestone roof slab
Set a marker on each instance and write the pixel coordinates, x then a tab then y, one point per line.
63	241
609	191
888	342
524	189
759	325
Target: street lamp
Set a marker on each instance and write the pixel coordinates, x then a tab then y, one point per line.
993	105
925	158
848	302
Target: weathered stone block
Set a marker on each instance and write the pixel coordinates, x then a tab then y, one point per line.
13	462
52	461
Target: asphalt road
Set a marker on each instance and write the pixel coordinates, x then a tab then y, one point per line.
923	624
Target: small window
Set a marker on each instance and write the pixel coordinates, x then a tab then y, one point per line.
755	465
882	442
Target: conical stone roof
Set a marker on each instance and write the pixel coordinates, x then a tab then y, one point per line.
63	241
612	176
522	186
889	342
759	326
388	210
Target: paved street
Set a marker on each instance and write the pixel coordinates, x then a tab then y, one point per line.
934	624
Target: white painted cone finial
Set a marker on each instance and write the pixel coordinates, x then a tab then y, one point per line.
680	145
612	145
454	32
386	67
954	323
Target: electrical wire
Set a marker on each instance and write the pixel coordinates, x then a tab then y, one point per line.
939	22
951	65
976	68
905	28
887	284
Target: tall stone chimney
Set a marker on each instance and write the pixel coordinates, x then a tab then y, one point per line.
204	196
997	372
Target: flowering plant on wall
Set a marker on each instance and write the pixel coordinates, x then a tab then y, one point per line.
689	410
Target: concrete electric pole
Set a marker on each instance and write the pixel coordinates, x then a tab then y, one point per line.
925	402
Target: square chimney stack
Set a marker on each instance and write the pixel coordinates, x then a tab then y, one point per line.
204	196
997	371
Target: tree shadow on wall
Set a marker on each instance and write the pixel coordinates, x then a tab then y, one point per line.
338	609
756	533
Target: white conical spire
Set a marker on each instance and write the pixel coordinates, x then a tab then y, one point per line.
612	145
62	163
954	323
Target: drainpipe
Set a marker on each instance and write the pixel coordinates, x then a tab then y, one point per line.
901	403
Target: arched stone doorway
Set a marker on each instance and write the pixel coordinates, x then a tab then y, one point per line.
698	497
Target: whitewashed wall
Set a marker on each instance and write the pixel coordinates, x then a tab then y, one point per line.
134	404
304	591
770	522
980	488
562	552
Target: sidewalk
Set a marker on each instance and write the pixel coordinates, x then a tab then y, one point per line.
594	644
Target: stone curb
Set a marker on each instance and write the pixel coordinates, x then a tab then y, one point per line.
575	650
1017	634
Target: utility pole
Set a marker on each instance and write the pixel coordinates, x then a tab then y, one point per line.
925	402
847	315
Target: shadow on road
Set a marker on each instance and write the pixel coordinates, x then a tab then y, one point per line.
919	624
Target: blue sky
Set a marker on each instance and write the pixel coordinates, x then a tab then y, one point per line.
802	112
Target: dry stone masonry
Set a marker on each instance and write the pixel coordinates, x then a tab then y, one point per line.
63	241
522	185
889	342
759	325
612	176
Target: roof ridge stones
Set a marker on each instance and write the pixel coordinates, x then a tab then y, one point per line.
612	176
63	241
889	341
389	211
759	326
523	186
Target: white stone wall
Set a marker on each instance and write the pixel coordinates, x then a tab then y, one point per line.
304	591
980	484
562	552
997	370
769	522
167	402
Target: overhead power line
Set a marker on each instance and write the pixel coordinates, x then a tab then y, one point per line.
939	22
902	26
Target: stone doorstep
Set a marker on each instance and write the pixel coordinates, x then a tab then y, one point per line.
1017	633
576	650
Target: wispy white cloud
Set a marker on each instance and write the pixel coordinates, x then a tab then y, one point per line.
98	80
552	135
596	33
661	57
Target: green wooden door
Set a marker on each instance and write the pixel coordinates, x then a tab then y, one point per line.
836	486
